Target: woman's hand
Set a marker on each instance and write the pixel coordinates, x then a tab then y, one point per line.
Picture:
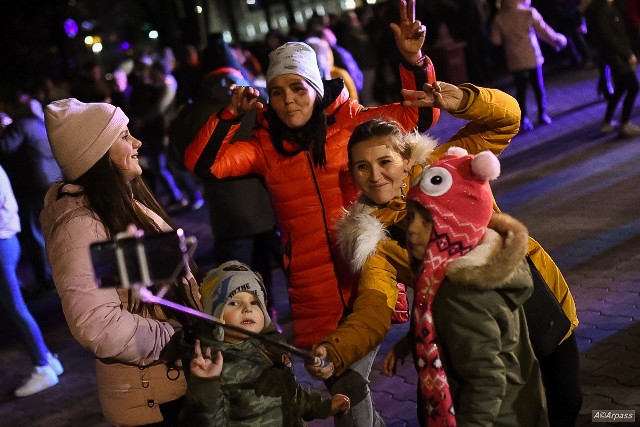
439	94
318	372
243	100
340	403
398	353
202	366
409	33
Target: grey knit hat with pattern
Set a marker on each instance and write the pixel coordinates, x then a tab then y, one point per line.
225	281
295	58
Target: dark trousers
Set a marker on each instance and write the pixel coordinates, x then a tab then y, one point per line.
627	82
534	77
561	378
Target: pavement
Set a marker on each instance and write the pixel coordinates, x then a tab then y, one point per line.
575	189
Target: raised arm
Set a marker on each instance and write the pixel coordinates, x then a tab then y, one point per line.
211	154
370	319
409	33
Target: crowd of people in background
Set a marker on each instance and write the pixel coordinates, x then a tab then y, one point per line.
165	97
151	86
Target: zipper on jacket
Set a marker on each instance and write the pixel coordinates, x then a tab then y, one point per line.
326	228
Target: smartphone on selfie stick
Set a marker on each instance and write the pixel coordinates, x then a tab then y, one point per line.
142	259
139	261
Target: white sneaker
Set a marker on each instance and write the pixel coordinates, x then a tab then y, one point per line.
42	377
55	364
629	129
608	127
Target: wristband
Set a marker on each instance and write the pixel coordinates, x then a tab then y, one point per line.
419	61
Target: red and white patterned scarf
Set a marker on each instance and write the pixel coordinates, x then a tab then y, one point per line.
459	200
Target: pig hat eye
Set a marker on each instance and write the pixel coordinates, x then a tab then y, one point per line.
436	181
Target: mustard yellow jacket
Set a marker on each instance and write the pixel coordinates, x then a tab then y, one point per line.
371	238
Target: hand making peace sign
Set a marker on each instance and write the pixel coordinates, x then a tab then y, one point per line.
409	33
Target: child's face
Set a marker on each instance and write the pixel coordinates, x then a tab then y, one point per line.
418	231
244	311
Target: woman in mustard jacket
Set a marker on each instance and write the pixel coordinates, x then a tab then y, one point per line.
371	234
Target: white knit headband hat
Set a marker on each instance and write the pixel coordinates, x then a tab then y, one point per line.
295	58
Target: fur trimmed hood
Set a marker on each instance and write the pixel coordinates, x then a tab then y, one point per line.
421	145
358	231
497	260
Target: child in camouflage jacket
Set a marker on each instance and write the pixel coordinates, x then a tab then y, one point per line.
255	386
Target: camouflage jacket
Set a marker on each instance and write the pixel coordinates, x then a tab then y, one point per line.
257	388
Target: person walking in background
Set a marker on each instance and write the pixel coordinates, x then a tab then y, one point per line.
26	155
355	38
152	105
608	33
328	69
101	195
343	58
517	26
46	366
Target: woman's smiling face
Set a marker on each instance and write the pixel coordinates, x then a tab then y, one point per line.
124	155
378	169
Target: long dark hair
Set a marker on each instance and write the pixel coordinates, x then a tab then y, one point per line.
112	199
312	136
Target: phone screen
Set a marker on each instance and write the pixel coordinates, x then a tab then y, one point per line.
164	254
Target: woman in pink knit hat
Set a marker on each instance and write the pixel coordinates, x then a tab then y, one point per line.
101	194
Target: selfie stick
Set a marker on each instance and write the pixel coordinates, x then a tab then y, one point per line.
187	247
147	296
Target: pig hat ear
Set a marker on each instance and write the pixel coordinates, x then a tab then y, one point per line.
486	165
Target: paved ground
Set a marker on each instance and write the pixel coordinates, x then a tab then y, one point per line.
576	190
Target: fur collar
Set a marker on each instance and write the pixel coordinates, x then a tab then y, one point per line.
497	259
421	145
358	231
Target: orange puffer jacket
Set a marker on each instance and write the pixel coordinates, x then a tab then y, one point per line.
307	199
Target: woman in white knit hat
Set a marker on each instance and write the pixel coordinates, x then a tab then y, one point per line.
299	147
100	195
